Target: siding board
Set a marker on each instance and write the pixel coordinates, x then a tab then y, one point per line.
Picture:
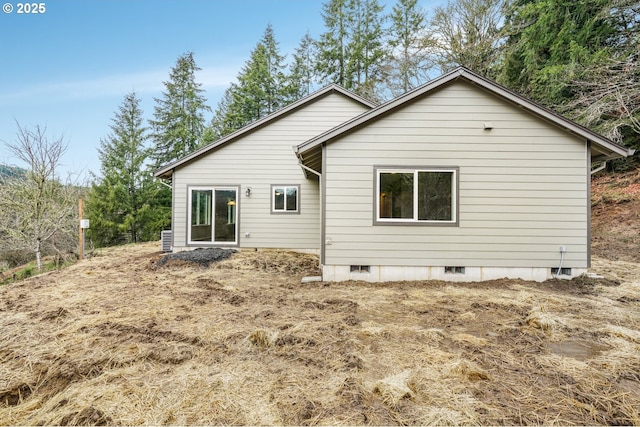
522	186
258	159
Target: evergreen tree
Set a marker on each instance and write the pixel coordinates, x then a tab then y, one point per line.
467	33
179	115
331	61
301	71
605	91
365	50
261	81
549	41
261	88
223	122
408	61
351	50
122	205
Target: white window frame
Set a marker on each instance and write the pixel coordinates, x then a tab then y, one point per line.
415	221
273	199
211	222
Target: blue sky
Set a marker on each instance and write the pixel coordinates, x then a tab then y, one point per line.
70	67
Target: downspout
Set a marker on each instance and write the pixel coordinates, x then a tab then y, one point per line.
319	175
172	205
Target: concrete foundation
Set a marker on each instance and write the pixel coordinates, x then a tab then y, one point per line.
381	273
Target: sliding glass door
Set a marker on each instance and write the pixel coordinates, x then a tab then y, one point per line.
213	215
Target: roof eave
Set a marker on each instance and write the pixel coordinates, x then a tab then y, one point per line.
381	109
163	173
333	88
616	150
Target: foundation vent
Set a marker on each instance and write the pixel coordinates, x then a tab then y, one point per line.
561	272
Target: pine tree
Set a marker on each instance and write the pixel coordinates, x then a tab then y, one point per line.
299	82
260	86
223	122
605	89
179	115
549	41
365	50
332	58
408	61
122	206
351	50
260	90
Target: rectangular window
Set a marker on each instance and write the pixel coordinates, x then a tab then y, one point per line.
285	199
416	195
213	215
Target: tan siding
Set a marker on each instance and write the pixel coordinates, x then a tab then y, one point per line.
522	186
258	160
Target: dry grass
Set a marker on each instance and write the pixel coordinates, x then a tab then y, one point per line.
114	340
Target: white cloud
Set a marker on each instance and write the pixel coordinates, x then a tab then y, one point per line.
114	85
217	77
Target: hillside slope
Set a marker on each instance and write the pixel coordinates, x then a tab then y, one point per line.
615	220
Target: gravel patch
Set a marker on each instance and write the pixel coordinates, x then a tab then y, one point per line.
202	256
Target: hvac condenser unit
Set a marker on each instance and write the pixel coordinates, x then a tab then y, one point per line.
166	238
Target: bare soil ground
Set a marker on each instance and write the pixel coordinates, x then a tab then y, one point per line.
119	340
616	216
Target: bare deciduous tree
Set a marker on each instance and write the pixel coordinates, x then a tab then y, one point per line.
608	98
467	33
38	209
608	89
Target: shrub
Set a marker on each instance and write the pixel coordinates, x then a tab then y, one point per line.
15	257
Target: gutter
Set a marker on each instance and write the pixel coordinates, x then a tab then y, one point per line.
630	152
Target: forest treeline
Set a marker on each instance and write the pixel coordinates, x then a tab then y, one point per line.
578	57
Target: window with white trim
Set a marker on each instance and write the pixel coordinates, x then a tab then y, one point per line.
285	199
416	195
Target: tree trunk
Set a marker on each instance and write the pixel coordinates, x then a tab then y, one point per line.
38	255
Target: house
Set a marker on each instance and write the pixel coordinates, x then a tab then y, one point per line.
459	179
248	189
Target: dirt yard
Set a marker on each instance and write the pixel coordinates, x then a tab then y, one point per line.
118	339
115	339
616	216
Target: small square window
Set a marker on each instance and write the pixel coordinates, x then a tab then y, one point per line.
285	199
